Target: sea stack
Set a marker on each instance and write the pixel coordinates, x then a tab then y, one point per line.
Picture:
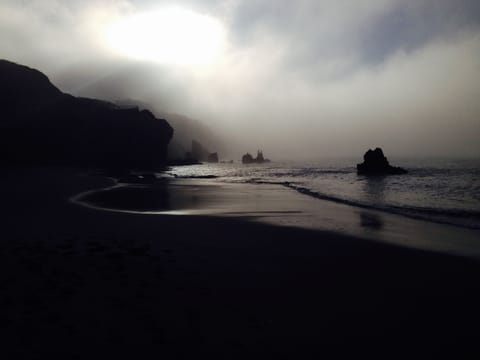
213	158
249	159
375	163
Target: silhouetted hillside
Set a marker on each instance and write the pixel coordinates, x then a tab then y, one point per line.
186	130
40	125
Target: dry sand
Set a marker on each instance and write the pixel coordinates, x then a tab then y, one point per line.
82	283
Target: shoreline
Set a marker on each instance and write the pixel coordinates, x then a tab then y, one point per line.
76	282
280	205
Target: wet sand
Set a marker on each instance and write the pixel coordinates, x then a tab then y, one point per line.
282	206
78	282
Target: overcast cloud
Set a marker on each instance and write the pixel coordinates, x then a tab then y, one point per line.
297	78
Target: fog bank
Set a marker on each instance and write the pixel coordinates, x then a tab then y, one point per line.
298	79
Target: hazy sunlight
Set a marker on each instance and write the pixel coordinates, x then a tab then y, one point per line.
173	35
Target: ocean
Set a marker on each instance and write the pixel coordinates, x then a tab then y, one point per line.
436	190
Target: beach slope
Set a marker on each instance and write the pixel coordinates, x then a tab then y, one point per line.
78	282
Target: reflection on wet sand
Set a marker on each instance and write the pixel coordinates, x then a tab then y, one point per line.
374	188
278	205
370	220
154	197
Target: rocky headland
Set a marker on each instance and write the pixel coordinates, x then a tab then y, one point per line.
41	125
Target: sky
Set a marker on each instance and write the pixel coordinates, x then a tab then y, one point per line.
298	79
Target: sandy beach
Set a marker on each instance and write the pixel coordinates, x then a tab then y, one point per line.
184	282
279	205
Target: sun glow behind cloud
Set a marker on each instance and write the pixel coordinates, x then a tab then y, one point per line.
170	35
323	71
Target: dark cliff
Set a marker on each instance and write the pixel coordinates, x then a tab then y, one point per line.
40	125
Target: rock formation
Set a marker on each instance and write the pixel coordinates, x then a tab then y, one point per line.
198	151
196	155
375	163
40	125
249	159
213	158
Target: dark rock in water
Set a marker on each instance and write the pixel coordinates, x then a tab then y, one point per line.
196	155
198	151
375	163
260	158
40	125
249	159
213	158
